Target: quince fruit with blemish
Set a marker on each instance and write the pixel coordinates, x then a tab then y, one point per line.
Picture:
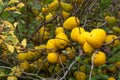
110	38
76	32
61	40
80	76
99	58
71	23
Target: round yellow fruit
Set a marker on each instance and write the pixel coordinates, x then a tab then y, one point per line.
111	78
45	9
88	49
80	76
61	40
50	46
110	38
44	35
117	64
65	14
52	57
75	32
53	5
12	78
70	52
43	28
49	17
112	21
82	68
66	6
40	48
94	40
71	23
59	30
61	58
99	58
22	56
82	38
107	17
100	32
112	69
32	55
25	65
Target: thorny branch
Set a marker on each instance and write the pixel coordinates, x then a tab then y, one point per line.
65	74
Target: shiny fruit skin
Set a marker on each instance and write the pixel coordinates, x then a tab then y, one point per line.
49	17
52	57
100	32
61	40
82	38
98	58
94	40
71	23
75	32
53	5
111	78
50	46
65	14
88	49
59	30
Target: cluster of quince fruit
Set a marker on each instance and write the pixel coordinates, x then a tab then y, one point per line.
60	45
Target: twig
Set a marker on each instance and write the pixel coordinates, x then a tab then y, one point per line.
68	70
5	67
31	74
118	38
102	24
92	66
41	24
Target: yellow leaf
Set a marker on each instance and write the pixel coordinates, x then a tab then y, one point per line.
15	24
20	5
24	42
13	1
17	12
10	8
1	2
10	48
11	78
8	24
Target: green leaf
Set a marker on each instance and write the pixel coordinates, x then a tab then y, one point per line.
2	74
78	59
